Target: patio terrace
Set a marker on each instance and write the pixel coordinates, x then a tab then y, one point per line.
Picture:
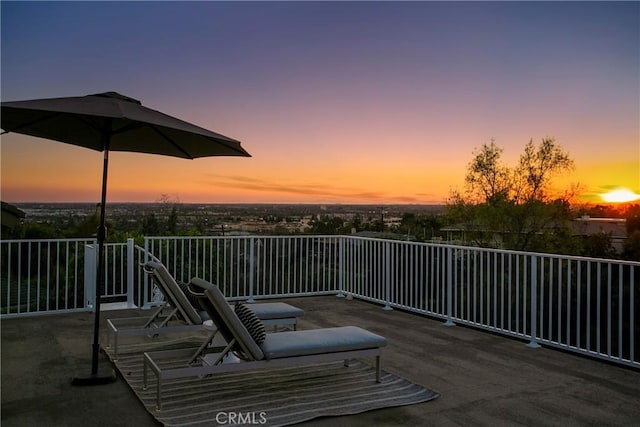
483	378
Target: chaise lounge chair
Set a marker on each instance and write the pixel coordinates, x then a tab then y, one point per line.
246	339
181	312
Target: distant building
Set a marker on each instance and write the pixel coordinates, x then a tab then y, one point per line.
382	235
11	216
616	228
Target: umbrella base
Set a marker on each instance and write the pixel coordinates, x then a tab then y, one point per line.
102	371
98	379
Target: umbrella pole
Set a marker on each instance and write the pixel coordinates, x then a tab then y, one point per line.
96	379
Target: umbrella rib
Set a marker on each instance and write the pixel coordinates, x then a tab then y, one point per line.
232	147
127	128
220	141
26	125
131	126
172	142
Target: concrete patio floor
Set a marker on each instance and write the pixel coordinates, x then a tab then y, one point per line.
483	379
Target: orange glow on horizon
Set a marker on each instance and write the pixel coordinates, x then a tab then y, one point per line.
37	170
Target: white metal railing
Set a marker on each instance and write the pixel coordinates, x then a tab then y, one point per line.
585	305
589	306
249	267
42	276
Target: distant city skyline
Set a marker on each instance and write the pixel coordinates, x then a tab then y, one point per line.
338	102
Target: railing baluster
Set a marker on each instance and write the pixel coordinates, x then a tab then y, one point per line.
449	321
632	319
609	298
130	272
540	326
48	278
620	306
578	306
550	321
568	305
534	286
66	279
599	310
387	263
251	267
502	274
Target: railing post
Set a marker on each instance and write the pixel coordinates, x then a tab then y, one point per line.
534	297
251	272
90	258
449	322
340	267
387	257
145	279
130	266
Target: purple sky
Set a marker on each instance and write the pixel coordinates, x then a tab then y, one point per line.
337	102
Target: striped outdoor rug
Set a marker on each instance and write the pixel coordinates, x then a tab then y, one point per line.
272	397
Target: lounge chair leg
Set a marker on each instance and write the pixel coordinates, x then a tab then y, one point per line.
204	345
166	321
115	348
144	376
155	316
158	391
378	369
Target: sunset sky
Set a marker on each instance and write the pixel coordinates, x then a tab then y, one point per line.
354	102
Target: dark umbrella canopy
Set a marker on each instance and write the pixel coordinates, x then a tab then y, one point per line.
112	122
86	120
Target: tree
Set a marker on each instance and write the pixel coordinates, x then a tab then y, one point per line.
422	227
513	207
598	245
538	164
325	224
172	222
169	208
88	226
150	225
633	219
631	246
487	178
36	231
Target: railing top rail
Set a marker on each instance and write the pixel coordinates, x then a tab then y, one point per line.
335	236
149	254
249	236
76	239
495	250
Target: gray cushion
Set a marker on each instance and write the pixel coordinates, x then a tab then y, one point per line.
172	292
251	322
319	341
275	310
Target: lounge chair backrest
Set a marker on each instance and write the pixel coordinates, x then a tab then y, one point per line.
226	319
172	292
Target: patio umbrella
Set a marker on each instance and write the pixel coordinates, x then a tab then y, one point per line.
111	122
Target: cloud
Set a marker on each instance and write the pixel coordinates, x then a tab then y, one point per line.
320	191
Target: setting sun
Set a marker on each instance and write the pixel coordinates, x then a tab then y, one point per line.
620	195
